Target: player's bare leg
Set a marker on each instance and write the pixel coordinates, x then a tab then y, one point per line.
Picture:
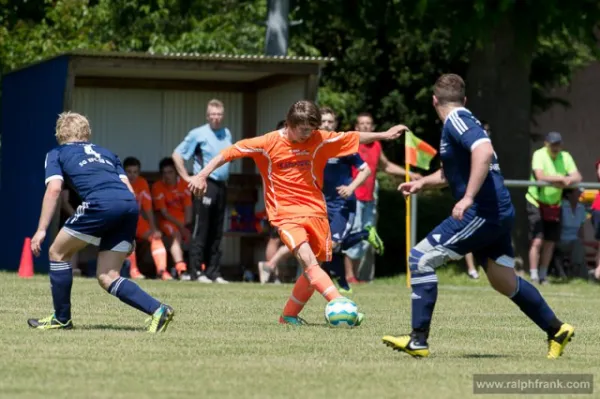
265	269
109	278
534	258
504	280
61	281
471	267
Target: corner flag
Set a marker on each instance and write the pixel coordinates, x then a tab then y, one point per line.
418	152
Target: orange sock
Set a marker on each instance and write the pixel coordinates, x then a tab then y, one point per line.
133	266
180	267
159	254
322	282
300	295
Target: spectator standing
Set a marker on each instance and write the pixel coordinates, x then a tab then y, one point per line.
552	165
571	235
204	143
366	210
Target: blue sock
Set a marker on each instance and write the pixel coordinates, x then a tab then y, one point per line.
61	281
531	302
336	267
354	238
131	293
424	296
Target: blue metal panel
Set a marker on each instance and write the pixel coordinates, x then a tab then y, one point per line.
32	98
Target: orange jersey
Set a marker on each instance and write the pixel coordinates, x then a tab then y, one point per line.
293	172
172	198
142	193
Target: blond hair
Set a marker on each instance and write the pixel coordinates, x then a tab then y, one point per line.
215	103
72	126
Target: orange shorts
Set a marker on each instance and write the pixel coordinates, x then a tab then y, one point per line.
313	230
143	228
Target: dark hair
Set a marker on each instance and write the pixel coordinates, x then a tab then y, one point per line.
132	161
364	115
165	163
280	125
304	112
449	89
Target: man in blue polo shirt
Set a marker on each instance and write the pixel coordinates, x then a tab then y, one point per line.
204	143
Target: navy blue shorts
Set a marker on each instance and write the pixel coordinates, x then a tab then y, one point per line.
486	239
109	225
341	219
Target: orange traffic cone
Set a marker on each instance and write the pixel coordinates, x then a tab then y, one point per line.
26	266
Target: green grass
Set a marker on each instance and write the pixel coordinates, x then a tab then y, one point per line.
225	343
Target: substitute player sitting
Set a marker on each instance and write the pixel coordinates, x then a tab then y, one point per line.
481	223
107	218
173	201
146	227
291	162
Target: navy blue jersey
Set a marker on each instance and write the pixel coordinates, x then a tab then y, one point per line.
92	171
461	134
338	172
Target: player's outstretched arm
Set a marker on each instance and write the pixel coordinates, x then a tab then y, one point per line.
392	134
244	148
434	180
49	205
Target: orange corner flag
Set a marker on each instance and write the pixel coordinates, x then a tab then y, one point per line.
418	152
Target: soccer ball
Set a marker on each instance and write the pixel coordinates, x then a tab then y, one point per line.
341	312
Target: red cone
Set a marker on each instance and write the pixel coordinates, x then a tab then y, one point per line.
26	266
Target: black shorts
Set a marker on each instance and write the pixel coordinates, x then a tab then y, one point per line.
273	232
539	228
596	222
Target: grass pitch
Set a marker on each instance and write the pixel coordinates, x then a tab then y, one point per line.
225	343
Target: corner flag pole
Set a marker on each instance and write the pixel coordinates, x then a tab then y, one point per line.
408	225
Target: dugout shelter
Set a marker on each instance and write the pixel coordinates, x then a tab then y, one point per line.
142	105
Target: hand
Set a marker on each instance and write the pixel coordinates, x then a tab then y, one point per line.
157	234
394	132
568	180
461	207
415	176
36	242
197	185
562	183
344	191
409	188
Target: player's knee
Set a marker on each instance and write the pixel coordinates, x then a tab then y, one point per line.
106	279
57	254
305	255
424	258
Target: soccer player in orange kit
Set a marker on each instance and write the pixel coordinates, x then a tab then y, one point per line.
291	162
146	227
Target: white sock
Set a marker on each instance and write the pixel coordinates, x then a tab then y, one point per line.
534	274
474	274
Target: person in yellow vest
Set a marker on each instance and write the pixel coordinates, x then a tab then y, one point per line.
553	165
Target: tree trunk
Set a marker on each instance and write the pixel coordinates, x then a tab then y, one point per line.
499	91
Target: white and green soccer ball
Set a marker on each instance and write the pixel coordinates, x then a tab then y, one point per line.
341	312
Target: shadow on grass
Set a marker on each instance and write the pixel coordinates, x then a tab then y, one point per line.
110	327
482	356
